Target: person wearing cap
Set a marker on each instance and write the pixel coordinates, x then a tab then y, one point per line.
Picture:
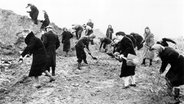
123	48
33	13
39	63
175	75
109	32
45	22
51	43
81	44
66	36
78	30
149	41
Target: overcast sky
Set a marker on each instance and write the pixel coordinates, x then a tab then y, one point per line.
164	17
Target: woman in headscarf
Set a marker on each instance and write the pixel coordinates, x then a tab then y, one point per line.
149	42
175	75
109	32
40	58
125	47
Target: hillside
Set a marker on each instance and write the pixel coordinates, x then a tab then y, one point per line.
12	28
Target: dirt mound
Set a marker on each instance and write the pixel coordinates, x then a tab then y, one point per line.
13	27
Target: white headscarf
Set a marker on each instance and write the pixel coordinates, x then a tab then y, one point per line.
158	47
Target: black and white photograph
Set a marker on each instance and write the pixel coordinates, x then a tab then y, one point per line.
91	51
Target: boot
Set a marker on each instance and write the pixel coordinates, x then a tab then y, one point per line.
85	61
176	93
150	62
53	71
143	62
79	65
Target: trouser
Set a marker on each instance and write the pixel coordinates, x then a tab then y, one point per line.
128	80
81	55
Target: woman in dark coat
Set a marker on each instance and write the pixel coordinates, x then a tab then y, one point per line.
36	47
33	13
51	43
66	36
175	75
46	22
125	47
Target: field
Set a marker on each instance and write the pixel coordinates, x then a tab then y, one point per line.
96	83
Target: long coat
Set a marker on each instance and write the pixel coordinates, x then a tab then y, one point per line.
35	47
109	33
34	13
51	43
175	75
46	22
125	47
149	42
66	36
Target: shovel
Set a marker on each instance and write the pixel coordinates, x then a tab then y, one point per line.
92	56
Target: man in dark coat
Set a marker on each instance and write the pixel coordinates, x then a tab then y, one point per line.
104	41
81	44
51	43
66	36
33	13
45	22
36	47
125	47
175	75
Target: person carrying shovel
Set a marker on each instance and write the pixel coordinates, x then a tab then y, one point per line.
81	44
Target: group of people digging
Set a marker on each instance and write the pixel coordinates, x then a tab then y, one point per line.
44	55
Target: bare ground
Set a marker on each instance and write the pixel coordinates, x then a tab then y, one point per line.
96	83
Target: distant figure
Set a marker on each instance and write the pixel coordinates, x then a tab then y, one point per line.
90	24
81	44
149	42
109	32
51	43
104	42
39	63
45	22
175	75
33	13
138	40
66	36
125	47
78	31
164	41
89	28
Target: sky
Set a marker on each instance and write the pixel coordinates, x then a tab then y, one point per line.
164	17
